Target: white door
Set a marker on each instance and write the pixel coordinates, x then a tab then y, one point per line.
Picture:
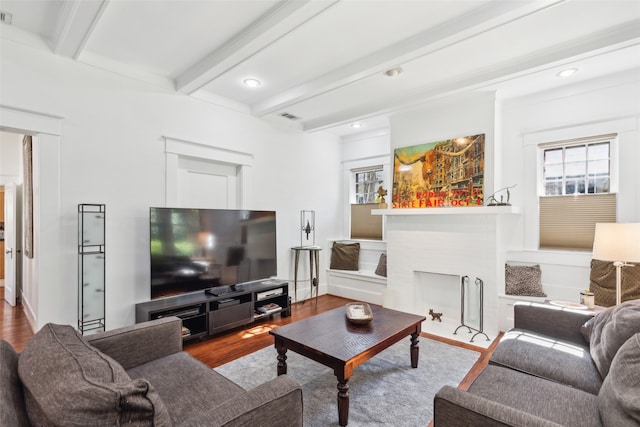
10	247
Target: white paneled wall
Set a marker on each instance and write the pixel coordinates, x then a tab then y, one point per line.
109	148
452	245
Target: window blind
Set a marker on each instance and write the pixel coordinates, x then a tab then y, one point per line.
363	224
578	141
568	222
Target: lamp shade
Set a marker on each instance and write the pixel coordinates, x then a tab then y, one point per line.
617	242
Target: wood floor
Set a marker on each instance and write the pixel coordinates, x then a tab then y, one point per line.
14	326
232	345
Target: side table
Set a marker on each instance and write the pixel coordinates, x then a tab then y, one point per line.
575	306
314	264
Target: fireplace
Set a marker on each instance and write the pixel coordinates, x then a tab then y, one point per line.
427	257
439	292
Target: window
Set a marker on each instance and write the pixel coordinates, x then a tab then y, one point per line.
366	182
577	169
366	185
576	191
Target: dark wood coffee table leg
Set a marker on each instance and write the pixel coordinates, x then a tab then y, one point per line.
415	349
343	401
282	357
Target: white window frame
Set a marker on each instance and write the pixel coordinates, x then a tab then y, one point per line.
580	232
613	159
373	162
354	192
623	127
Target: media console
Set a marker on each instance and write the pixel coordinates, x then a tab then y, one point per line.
205	314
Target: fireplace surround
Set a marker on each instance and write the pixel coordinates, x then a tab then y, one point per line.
441	246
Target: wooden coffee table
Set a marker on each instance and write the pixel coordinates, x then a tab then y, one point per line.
329	338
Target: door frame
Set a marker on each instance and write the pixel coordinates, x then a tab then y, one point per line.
176	148
46	265
12	292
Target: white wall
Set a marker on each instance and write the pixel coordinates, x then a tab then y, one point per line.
111	151
607	105
591	108
10	158
453	117
366	145
363	150
454	245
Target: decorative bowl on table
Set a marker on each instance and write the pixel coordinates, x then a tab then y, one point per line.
359	313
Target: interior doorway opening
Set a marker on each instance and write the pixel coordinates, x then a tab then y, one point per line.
2	237
11	209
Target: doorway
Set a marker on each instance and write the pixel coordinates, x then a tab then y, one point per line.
11	177
48	258
2	235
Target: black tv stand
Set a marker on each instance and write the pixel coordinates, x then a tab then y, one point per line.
220	309
223	290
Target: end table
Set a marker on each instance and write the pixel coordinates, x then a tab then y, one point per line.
314	261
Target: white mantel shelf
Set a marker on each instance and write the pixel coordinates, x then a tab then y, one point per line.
477	210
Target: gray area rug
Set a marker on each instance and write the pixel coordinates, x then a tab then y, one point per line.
385	390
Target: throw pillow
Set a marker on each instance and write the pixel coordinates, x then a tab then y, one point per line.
602	281
618	397
345	256
381	269
609	330
68	382
523	280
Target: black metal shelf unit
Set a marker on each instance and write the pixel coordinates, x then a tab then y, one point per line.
91	267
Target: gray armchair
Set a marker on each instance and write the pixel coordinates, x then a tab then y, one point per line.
137	375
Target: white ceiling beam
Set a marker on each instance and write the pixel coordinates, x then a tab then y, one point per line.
75	24
623	37
285	17
473	23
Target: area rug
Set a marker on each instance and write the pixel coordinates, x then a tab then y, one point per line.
385	390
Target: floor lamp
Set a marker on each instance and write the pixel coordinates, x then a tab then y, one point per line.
620	243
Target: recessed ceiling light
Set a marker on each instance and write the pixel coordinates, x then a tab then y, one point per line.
393	72
356	125
251	82
566	73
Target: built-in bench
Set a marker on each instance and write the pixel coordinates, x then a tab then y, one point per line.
554	293
560	281
362	284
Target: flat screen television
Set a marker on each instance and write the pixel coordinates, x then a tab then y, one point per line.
210	249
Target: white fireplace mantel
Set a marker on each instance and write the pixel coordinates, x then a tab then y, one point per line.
476	210
457	241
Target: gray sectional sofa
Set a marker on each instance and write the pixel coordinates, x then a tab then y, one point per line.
134	376
557	367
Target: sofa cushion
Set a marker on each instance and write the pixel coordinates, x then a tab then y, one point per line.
548	400
523	280
610	329
180	380
12	412
618	399
345	256
68	382
542	356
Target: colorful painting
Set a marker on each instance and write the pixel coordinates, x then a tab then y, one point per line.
447	173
